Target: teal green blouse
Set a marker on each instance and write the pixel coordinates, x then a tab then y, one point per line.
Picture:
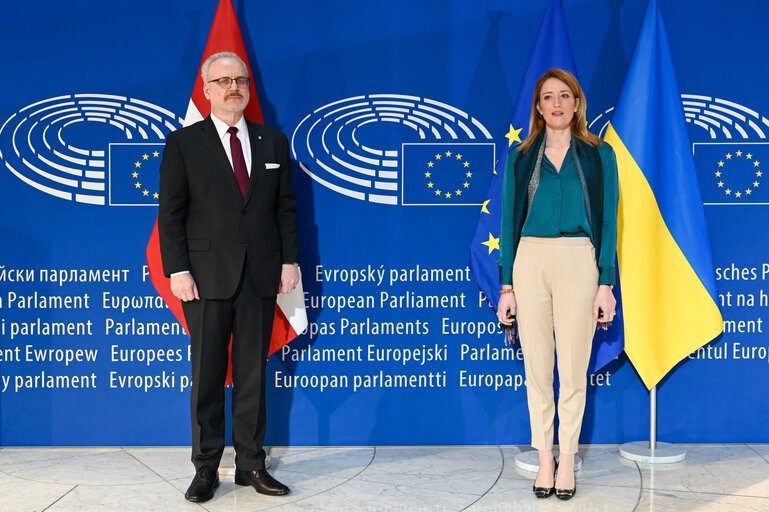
558	209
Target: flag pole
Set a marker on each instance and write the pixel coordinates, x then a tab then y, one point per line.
652	452
653	419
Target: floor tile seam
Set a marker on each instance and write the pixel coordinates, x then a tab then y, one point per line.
499	475
59	498
757	453
162	478
200	505
146	466
93	485
373	456
640	486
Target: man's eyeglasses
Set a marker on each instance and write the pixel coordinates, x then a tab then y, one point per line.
225	82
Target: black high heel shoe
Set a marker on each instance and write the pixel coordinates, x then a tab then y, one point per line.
546	492
566	494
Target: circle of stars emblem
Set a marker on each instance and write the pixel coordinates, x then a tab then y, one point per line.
732	164
448	192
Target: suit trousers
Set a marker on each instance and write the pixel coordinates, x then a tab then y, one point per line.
556	280
248	317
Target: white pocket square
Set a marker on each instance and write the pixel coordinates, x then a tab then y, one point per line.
272	166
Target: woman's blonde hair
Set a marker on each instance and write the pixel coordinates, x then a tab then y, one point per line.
578	122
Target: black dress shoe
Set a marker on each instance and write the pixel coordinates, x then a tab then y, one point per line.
261	481
203	485
545	492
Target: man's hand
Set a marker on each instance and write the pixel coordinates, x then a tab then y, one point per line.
184	288
289	278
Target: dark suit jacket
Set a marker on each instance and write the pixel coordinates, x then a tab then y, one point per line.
207	227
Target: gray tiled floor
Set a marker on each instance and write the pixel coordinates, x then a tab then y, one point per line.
475	478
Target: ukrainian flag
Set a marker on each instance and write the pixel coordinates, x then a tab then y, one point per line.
665	262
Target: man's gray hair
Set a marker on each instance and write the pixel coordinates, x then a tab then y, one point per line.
221	55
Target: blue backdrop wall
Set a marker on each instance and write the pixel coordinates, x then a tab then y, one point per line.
402	348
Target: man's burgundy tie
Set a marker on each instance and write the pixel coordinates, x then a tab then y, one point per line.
238	162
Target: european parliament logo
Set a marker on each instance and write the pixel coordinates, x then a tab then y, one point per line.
396	149
730	166
88	148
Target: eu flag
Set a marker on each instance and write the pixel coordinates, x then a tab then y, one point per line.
551	50
665	260
732	172
445	174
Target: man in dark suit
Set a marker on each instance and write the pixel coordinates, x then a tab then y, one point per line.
228	239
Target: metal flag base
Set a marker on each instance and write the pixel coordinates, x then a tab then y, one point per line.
529	461
663	453
652	451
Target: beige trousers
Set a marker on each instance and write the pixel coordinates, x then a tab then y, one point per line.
555	282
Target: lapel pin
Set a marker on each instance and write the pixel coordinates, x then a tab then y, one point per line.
259	137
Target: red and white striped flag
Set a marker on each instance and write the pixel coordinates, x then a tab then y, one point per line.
290	315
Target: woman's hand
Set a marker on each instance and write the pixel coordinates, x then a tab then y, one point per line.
605	301
506	309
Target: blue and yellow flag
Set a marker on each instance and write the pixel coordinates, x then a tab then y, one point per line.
665	260
551	50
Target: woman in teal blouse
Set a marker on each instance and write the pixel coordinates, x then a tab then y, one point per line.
556	263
